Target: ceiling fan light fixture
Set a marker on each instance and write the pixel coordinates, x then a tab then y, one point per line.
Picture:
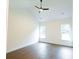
40	10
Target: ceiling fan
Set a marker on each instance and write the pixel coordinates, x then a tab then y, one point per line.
41	8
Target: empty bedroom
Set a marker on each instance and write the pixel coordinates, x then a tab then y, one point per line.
40	29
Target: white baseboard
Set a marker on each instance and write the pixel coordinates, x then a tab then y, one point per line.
70	45
20	47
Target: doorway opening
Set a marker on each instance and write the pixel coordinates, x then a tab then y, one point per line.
42	32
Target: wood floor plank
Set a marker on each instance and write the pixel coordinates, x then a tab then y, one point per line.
42	51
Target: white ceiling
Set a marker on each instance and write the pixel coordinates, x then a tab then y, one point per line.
58	9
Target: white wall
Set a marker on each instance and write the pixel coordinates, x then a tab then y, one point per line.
21	30
53	31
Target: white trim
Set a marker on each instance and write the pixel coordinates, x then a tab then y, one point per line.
20	47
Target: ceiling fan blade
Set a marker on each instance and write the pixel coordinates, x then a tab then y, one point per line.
45	8
37	7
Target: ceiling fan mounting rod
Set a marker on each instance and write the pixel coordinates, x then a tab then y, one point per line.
41	4
41	0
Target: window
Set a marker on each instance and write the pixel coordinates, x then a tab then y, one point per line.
66	32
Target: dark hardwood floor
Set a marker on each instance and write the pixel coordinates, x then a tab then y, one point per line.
42	51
